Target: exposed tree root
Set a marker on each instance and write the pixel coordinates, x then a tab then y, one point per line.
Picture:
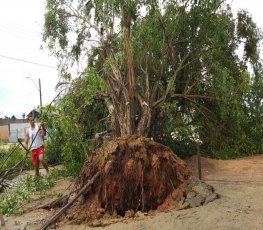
129	173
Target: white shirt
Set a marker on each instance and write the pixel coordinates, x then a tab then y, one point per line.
38	142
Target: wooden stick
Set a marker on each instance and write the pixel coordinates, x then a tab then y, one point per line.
84	189
199	161
24	147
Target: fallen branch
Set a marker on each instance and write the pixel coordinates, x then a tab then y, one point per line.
83	190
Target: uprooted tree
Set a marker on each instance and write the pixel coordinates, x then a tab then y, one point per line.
142	55
156	58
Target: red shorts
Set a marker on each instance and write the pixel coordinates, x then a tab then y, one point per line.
36	153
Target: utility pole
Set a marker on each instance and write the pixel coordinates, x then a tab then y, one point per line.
40	93
38	88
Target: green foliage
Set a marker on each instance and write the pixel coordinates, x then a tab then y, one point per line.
180	141
254	112
59	173
73	123
11	156
224	121
11	202
53	152
66	143
2	142
29	189
246	33
55	18
175	130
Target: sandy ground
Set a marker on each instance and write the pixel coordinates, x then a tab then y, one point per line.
239	183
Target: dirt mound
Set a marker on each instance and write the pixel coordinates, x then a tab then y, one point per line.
137	174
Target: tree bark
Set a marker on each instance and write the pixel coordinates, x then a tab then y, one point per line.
130	105
145	120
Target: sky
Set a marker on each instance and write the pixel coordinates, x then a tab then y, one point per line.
23	63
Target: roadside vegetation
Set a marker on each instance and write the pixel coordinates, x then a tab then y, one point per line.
26	189
16	191
2	142
13	199
10	156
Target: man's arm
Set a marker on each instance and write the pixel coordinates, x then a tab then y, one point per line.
42	128
26	139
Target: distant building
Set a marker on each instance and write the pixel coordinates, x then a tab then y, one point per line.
4	129
13	118
12	128
35	114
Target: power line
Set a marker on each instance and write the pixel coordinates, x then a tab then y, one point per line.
17	25
17	30
22	60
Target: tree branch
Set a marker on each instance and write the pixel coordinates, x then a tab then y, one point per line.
171	81
194	96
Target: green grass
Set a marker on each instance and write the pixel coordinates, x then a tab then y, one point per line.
3	142
12	200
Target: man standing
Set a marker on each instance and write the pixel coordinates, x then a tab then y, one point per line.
35	137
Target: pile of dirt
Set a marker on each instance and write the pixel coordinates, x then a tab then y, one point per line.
198	193
137	174
132	175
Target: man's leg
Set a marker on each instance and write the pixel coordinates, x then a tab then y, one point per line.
36	168
35	163
44	163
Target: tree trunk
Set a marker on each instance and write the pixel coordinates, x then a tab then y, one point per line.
123	90
143	126
130	105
